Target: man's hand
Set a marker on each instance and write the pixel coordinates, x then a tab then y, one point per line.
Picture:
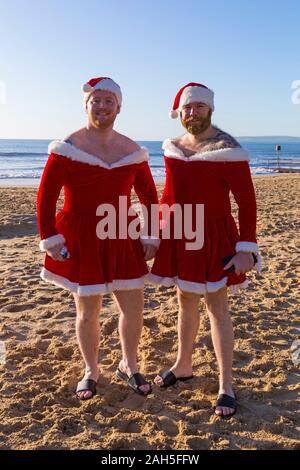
149	251
54	252
242	261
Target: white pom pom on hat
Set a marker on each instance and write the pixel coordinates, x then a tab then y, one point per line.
192	93
102	83
173	114
87	88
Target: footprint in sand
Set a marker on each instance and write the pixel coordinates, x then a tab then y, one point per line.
17	307
65	314
198	443
242	357
128	426
14	292
168	426
109	326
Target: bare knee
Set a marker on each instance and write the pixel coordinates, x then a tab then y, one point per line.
217	305
188	299
88	308
130	302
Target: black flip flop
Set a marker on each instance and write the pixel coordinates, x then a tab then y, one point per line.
134	381
228	402
86	385
169	378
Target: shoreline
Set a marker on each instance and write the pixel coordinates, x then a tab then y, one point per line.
32	183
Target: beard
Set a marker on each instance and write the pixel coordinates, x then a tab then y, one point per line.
101	123
197	125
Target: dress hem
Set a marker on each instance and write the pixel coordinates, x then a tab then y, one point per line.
196	287
93	289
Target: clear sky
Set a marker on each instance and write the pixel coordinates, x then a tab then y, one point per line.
247	51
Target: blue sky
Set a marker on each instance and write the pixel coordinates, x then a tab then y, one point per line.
247	51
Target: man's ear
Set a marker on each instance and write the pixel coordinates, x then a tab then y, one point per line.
118	109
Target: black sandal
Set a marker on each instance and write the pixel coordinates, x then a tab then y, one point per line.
134	381
228	402
86	385
169	378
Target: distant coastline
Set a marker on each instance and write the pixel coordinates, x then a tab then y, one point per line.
267	139
270	139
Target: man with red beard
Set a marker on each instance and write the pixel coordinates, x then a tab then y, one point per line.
96	166
202	167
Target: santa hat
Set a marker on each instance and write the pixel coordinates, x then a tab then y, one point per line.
101	83
192	93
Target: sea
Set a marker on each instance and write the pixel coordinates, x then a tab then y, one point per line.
22	161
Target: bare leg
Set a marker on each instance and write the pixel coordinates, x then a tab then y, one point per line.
222	337
131	305
188	325
88	335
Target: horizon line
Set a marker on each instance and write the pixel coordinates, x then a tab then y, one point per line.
161	140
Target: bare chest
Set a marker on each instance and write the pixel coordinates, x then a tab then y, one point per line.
109	154
188	151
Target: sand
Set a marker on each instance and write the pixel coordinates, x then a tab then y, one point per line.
38	409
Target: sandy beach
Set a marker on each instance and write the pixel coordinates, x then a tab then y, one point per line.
38	408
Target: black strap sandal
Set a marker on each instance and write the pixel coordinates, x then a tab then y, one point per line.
228	402
169	378
134	381
86	385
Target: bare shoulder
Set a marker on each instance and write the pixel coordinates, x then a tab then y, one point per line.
127	145
75	137
224	140
180	141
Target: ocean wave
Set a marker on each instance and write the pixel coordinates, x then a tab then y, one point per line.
15	174
259	170
23	154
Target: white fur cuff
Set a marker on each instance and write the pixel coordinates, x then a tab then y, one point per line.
51	241
250	247
150	241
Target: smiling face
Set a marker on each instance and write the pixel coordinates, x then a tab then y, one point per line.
102	109
196	117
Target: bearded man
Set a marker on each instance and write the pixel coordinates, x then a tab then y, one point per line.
202	167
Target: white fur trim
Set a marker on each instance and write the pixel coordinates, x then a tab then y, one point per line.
67	150
250	247
196	94
235	154
150	240
188	286
51	241
94	289
105	84
234	289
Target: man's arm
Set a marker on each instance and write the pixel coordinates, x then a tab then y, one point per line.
53	178
238	177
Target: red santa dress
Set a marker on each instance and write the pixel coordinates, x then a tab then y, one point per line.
207	178
95	266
